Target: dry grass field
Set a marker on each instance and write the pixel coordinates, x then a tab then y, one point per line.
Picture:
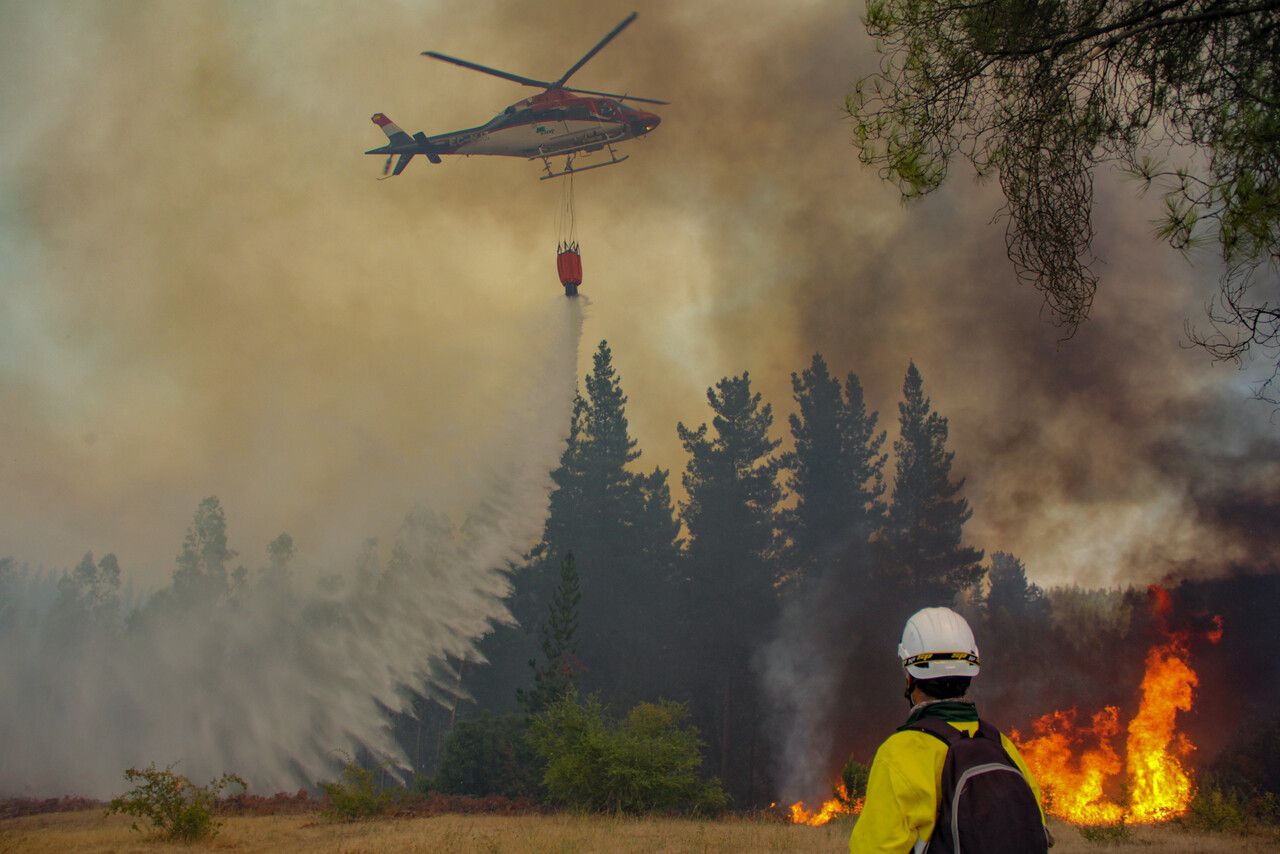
91	831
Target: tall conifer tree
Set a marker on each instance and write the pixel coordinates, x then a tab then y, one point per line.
923	532
733	496
835	472
555	676
619	526
731	481
201	573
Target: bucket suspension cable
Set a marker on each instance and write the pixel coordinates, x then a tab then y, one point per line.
566	224
568	260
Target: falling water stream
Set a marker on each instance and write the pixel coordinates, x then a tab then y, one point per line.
276	685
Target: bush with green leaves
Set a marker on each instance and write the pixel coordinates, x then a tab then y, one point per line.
1231	808
357	793
1218	809
853	777
423	785
647	762
1240	789
174	805
490	755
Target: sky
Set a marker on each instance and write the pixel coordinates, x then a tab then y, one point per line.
205	291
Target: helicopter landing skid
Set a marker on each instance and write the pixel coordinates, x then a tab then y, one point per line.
569	168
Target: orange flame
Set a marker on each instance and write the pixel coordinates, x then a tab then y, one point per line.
1074	787
1076	766
837	806
1159	787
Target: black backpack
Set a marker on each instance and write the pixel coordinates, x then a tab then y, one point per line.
985	806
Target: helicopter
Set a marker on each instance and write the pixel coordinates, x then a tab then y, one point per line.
556	122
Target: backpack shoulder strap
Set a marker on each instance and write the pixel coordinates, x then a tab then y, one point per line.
987	730
939	729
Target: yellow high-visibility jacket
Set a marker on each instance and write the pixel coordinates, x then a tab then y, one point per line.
902	791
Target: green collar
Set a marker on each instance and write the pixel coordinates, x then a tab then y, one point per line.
946	710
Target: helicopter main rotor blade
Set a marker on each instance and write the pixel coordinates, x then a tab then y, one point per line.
475	66
614	95
559	84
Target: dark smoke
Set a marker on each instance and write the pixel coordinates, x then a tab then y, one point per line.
206	292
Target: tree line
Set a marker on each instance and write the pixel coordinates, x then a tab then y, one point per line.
678	600
754	621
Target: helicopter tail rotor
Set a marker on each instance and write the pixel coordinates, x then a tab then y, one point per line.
400	144
400	164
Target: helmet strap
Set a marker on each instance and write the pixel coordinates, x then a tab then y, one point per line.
911	684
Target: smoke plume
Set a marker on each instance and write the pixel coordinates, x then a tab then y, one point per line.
282	680
206	292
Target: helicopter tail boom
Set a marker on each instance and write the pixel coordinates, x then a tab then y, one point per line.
401	144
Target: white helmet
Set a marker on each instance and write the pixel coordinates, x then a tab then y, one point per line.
937	642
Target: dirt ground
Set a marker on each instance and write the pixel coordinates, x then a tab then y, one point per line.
91	831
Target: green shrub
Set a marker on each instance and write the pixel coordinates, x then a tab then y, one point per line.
1231	808
854	776
357	794
423	785
647	762
490	755
1214	808
1107	834
175	806
1264	809
1251	763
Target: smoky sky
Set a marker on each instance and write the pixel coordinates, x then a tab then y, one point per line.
206	292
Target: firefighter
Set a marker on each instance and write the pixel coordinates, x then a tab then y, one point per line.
941	774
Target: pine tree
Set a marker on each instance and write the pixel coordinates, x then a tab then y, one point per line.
1017	626
1011	598
835	473
733	491
554	678
836	477
924	528
731	481
659	530
201	572
619	526
280	552
88	597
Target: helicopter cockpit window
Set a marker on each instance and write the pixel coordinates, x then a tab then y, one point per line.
506	117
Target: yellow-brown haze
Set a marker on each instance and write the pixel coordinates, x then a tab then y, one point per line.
207	293
206	302
210	294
